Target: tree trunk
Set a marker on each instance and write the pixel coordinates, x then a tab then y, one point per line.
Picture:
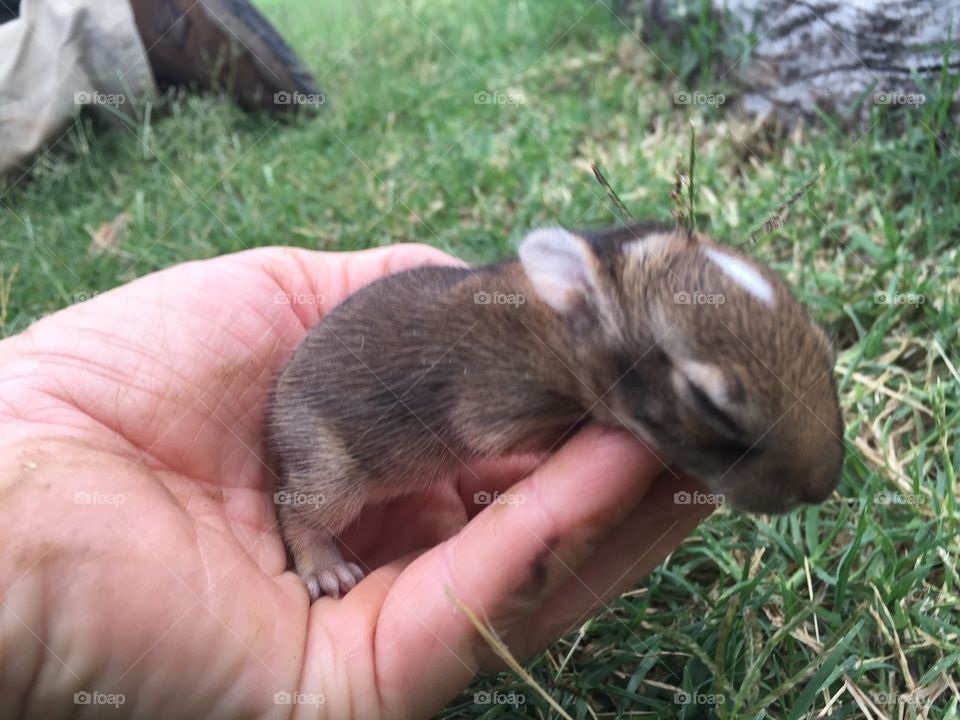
841	57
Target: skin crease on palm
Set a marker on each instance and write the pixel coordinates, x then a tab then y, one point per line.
139	550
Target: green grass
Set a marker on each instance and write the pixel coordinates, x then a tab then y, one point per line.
762	618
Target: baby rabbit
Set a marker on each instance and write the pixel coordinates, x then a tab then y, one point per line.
695	348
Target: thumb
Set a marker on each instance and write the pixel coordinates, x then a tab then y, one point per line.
505	562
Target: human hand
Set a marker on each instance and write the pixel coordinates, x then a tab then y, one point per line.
139	552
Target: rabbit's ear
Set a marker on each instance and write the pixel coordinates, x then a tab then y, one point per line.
561	267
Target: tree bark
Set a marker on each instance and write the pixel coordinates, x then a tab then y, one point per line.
841	57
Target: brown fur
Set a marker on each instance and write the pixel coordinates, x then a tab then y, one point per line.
411	376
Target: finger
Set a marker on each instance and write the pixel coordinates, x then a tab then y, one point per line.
365	266
505	560
484	481
627	555
394	528
400	527
311	282
403	526
197	344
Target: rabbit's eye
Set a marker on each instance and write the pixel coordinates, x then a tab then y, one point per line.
736	450
713	413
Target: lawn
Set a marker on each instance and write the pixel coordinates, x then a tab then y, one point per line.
464	124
